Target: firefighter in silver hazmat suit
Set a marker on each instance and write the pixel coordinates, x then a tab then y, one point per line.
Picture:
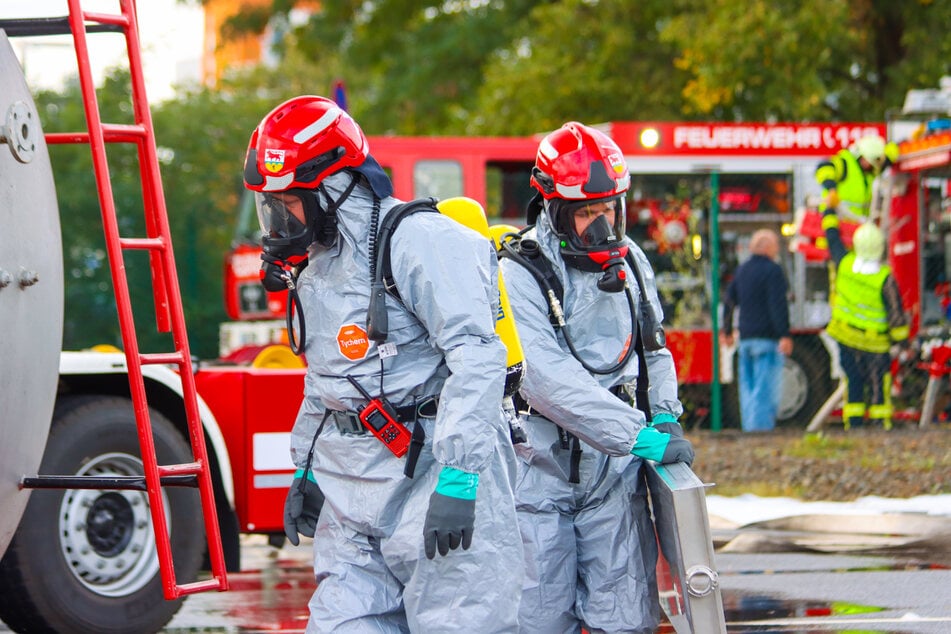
581	496
441	367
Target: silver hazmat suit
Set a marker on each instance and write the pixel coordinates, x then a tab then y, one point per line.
590	549
369	561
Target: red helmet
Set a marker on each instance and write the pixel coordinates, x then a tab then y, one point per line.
579	169
577	162
291	151
300	142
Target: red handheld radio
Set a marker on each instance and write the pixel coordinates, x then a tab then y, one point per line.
381	419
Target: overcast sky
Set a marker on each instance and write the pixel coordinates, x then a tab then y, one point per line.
171	36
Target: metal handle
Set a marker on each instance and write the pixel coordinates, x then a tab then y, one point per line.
701	581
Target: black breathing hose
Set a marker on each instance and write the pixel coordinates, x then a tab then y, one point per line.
556	309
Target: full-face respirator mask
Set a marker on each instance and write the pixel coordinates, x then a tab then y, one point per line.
600	247
286	232
290	222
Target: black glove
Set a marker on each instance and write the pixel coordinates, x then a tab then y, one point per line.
449	522
678	450
302	507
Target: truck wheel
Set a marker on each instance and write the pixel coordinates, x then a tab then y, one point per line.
806	383
85	560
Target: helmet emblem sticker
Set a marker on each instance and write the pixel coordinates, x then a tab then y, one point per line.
273	160
617	162
352	341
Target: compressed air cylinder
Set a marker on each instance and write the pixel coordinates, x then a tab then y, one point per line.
470	213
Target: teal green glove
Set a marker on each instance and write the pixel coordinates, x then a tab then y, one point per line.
450	518
667	424
663	448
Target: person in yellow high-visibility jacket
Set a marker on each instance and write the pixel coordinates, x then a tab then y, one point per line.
867	318
847	176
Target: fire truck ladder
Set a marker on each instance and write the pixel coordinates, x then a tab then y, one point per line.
167	296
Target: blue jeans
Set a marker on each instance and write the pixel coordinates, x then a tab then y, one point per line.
761	372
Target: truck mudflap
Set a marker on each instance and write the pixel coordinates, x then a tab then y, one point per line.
687	580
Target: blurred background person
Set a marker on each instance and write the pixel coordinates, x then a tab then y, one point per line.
867	319
759	290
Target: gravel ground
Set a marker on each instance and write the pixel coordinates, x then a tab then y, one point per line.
834	465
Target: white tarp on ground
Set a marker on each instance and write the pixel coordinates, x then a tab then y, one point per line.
748	508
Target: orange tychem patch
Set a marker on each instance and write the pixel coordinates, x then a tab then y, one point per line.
352	341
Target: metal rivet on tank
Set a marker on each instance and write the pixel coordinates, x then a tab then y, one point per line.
27	278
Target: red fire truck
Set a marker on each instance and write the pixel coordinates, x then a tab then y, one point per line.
751	175
115	542
764	173
917	217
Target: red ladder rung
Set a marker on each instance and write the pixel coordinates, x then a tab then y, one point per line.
189	468
106	18
157	244
123	132
162	358
112	133
201	586
58	138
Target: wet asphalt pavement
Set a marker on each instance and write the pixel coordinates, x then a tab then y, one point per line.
803	592
771	580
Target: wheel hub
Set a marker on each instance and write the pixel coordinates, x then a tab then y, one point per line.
106	537
109	524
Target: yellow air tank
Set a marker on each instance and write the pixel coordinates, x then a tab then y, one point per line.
470	213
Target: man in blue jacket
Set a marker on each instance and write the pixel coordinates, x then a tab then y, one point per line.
759	290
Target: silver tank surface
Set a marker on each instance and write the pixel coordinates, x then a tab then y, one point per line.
31	291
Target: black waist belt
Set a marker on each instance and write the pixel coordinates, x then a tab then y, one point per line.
349	422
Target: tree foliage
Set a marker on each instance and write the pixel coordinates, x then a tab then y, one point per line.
587	61
411	66
812	60
91	316
517	66
472	67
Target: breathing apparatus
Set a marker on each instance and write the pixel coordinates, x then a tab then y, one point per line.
581	177
285	239
527	253
278	275
468	213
